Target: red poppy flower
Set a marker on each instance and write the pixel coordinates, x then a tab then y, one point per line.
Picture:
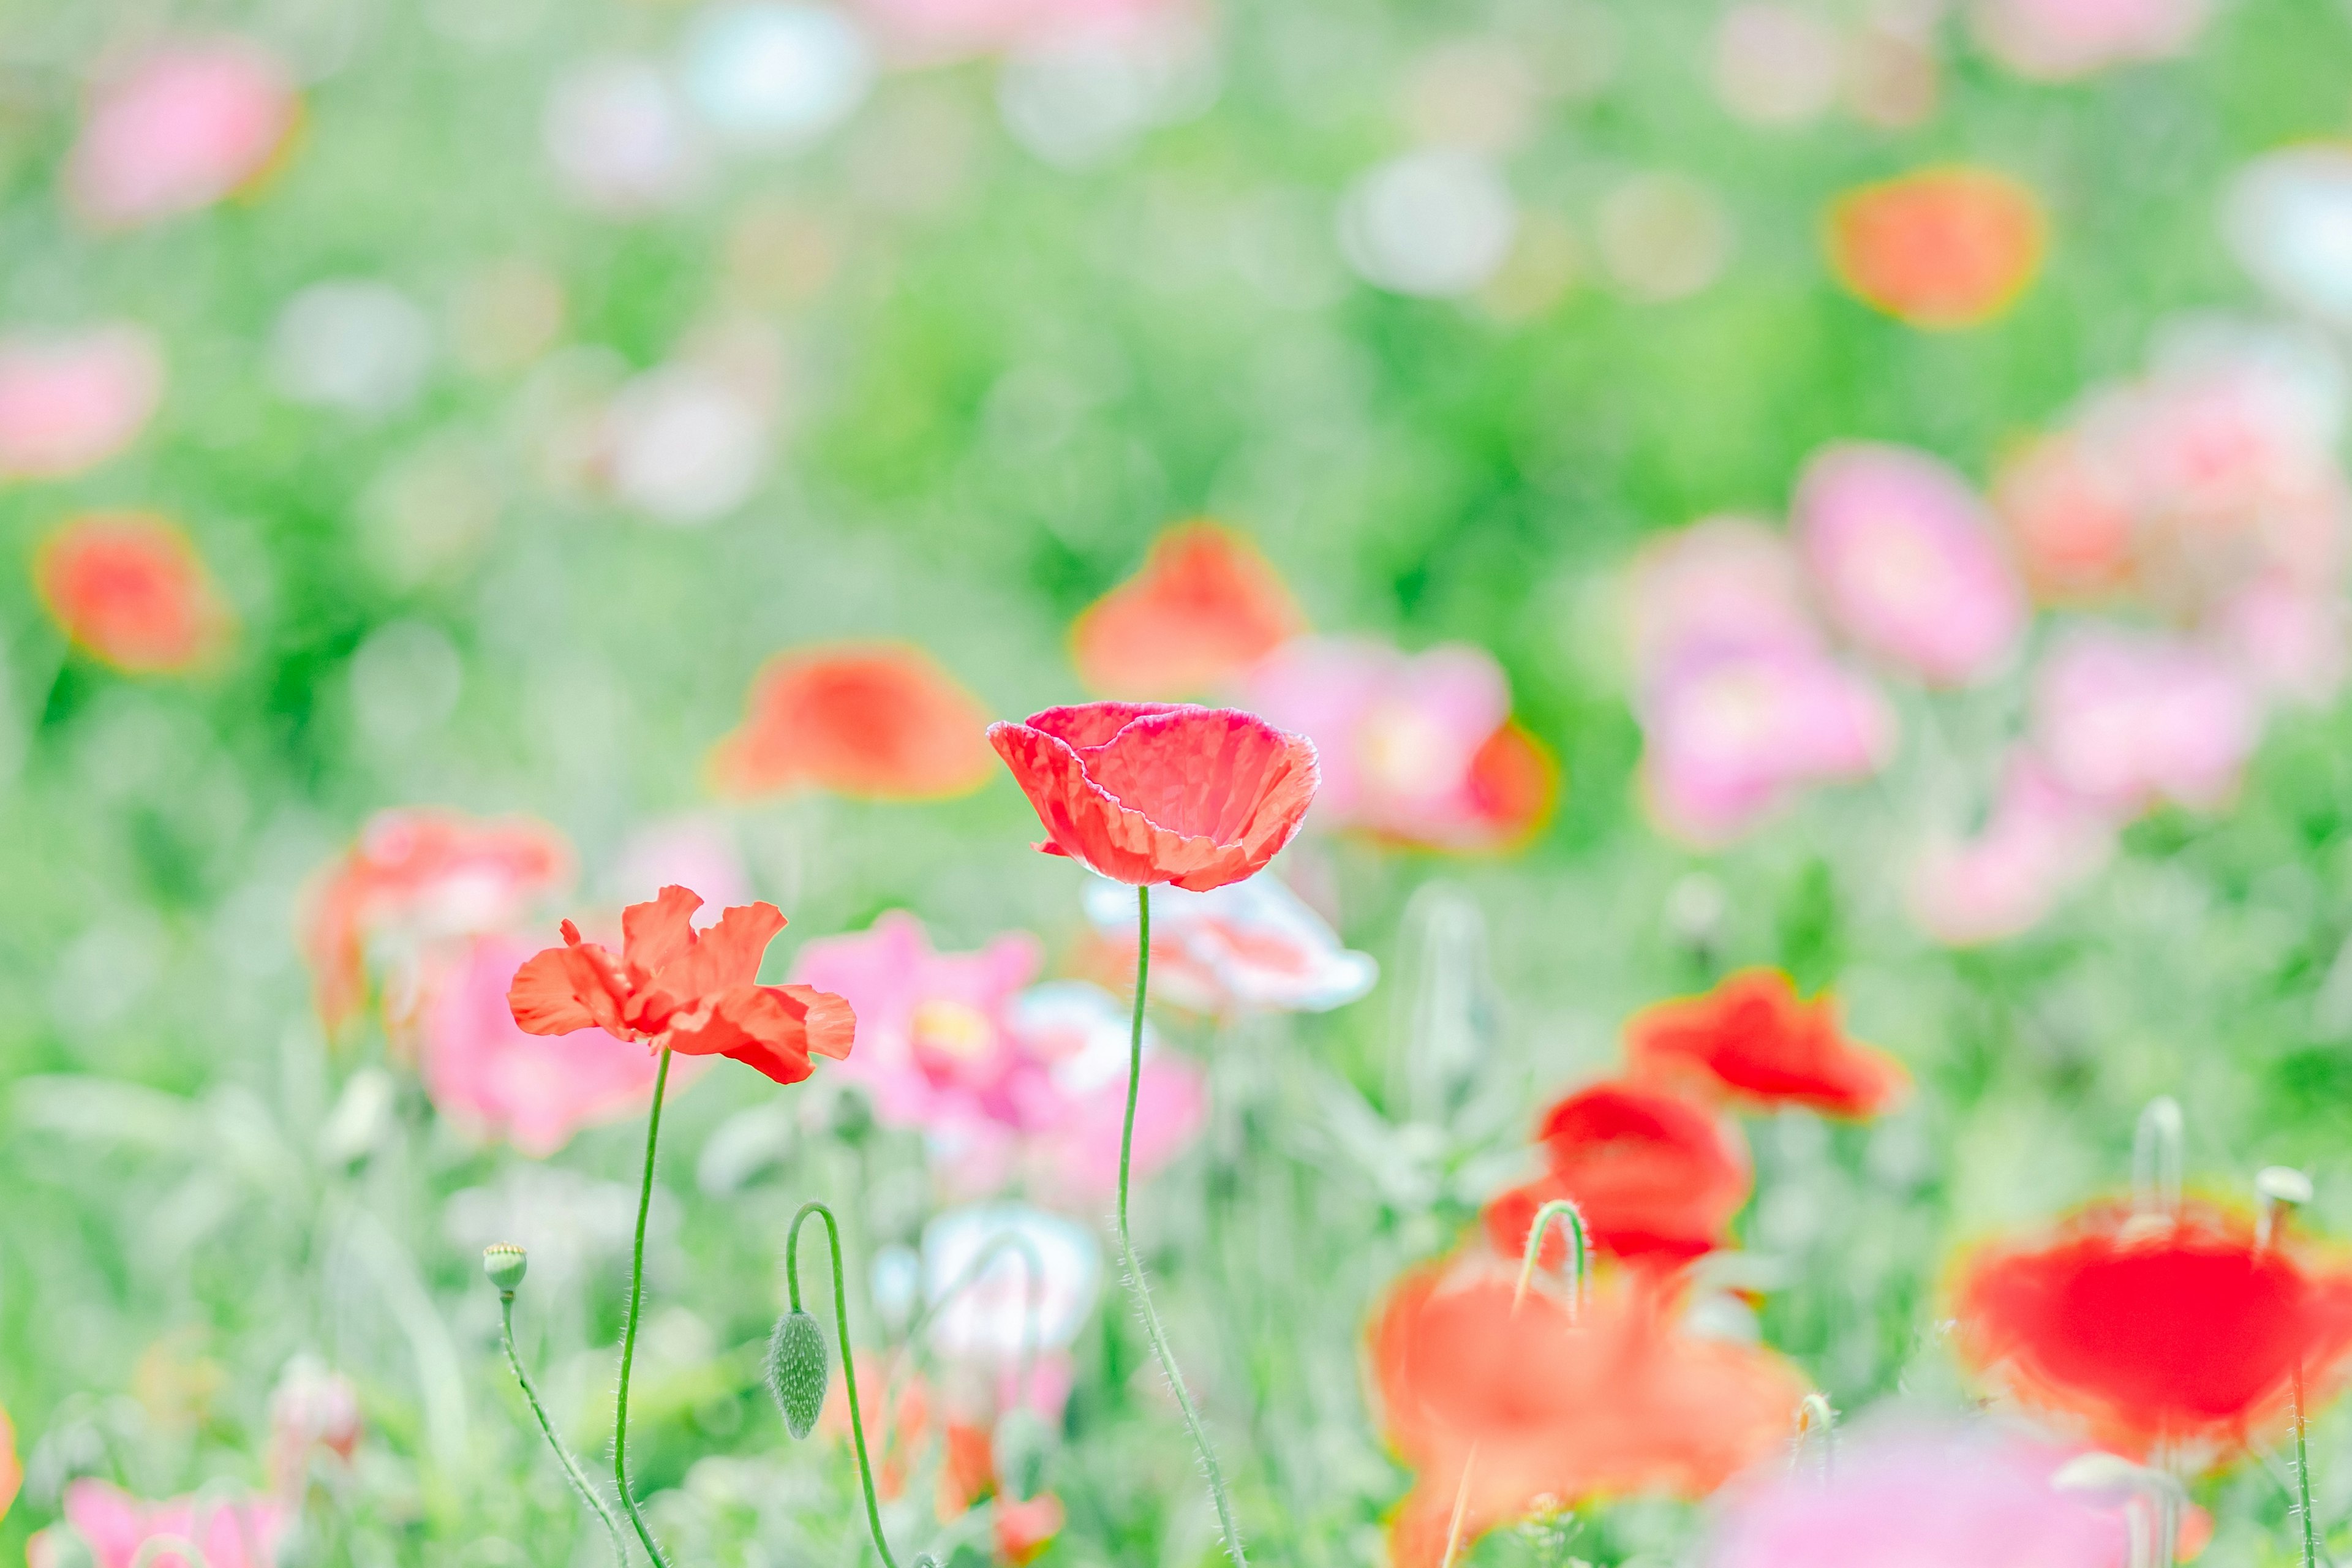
696	993
875	721
1941	248
1025	1527
421	875
1205	606
1513	785
129	590
1147	792
2152	1331
1531	1404
1657	1178
1751	1038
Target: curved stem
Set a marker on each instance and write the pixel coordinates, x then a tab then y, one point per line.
629	1330
1152	1330
848	1362
563	1456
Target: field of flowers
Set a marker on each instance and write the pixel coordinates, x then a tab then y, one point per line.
1680	666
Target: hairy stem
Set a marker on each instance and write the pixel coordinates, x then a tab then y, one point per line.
2302	1476
1152	1330
563	1456
629	1330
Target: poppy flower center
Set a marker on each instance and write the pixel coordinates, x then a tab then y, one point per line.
948	1034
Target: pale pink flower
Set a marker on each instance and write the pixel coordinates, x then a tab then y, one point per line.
230	1532
1904	558
2128	720
313	1410
691	851
1724	585
176	130
940	30
2290	641
1777	64
2039	843
1249	944
2058	40
1922	1496
70	401
1004	1280
491	1079
1080	1033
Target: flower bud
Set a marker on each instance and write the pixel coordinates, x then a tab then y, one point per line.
1022	1444
799	1369
506	1264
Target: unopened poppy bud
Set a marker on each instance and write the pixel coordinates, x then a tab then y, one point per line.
506	1264
799	1369
1022	1444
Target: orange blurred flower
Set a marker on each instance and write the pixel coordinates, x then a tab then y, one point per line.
1026	1528
1752	1040
1656	1178
1513	785
129	590
2155	1330
12	1474
967	1467
1613	1400
872	721
895	1438
1205	606
1950	246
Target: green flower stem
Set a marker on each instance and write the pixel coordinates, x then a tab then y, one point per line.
2303	1475
1135	1280
563	1456
848	1361
629	1330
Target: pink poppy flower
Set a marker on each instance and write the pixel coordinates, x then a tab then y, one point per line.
1409	744
1904	557
2040	842
489	1078
2288	641
1077	1033
115	1526
176	130
2127	719
1925	1496
2058	40
1724	585
419	875
1252	944
69	401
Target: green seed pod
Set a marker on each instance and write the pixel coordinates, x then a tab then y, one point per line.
799	1369
506	1264
1022	1444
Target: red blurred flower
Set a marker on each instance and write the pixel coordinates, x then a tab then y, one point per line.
1026	1528
1533	1404
1940	247
1657	1178
1751	1039
1147	792
696	993
2153	1331
129	590
421	874
875	721
1204	607
1514	782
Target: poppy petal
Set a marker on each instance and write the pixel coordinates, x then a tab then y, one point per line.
655	935
563	989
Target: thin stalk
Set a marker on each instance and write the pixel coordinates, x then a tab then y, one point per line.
629	1330
563	1456
1135	1283
848	1362
2302	1476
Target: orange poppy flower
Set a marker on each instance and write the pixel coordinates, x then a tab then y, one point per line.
1752	1041
872	721
129	590
696	992
1512	787
1025	1528
1532	1403
1147	792
1656	1178
1942	247
967	1467
1205	606
2155	1331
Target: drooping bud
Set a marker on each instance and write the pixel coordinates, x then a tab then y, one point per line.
1022	1443
800	1368
506	1264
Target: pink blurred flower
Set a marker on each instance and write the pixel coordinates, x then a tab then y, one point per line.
488	1077
70	401
693	852
1904	557
2040	842
314	1409
2290	641
176	130
2057	40
2127	720
1925	1496
1411	746
1079	1033
115	1525
1724	585
1252	944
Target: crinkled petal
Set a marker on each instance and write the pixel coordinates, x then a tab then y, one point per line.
562	989
658	934
773	1028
